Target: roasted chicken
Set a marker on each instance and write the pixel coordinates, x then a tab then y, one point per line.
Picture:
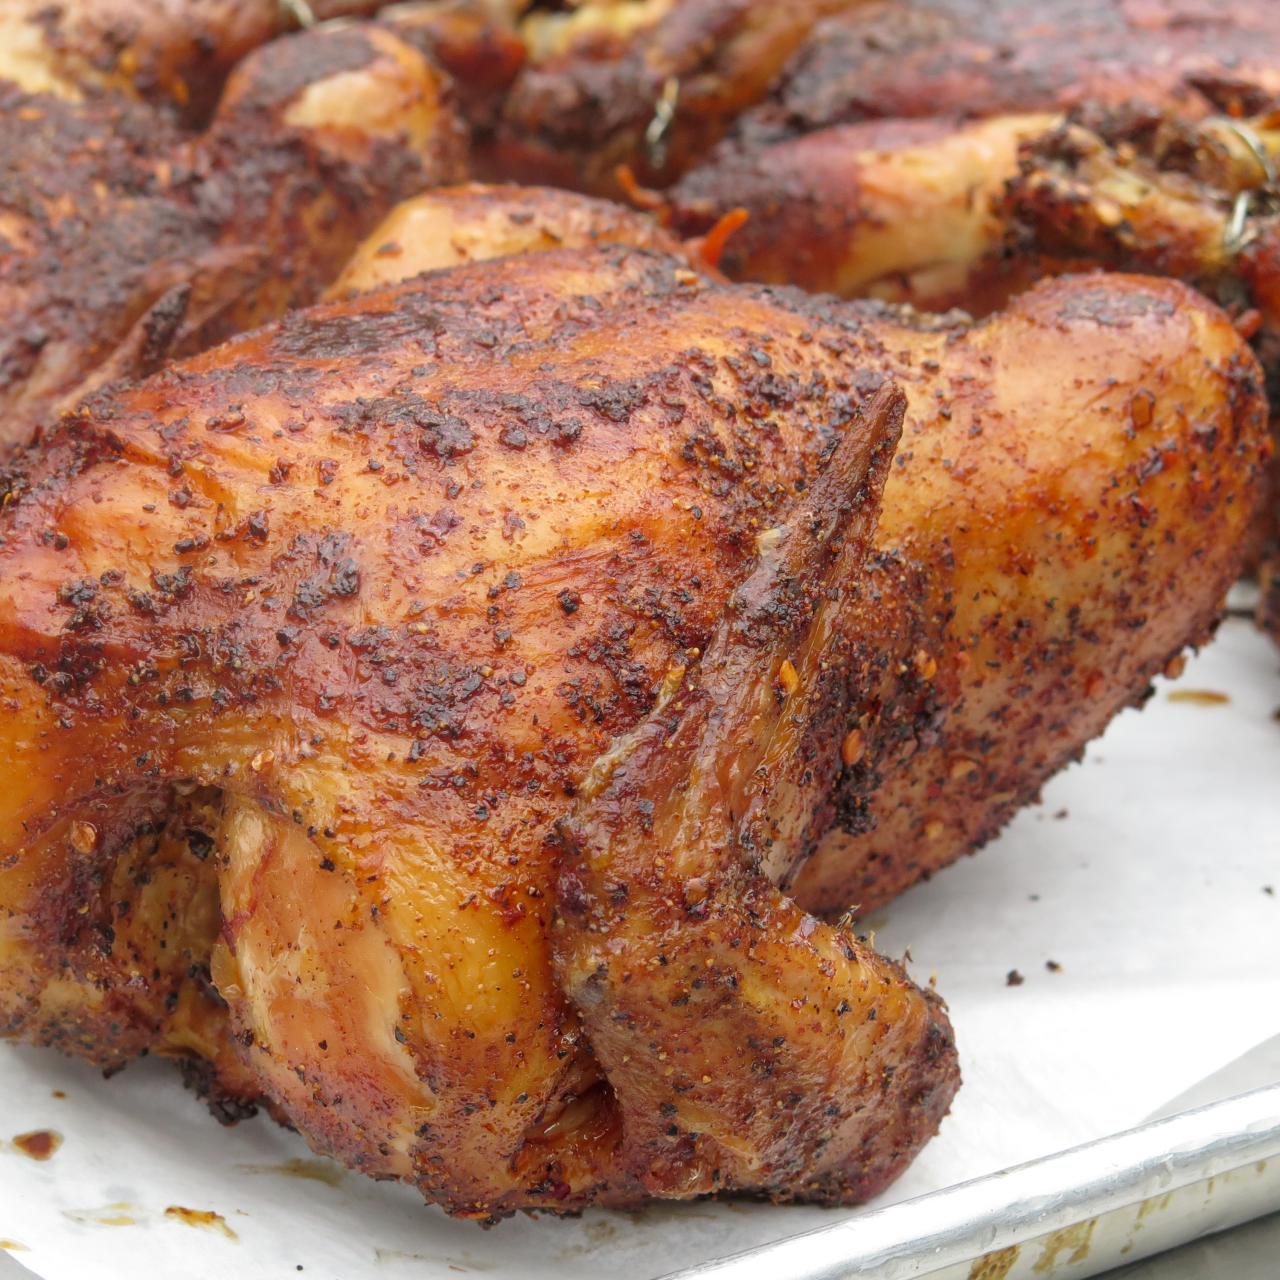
433	716
452	674
175	55
652	84
456	225
947	153
126	240
878	163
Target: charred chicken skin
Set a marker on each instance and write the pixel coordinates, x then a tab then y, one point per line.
475	660
878	163
126	241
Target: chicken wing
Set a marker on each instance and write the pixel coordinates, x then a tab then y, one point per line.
341	620
748	1045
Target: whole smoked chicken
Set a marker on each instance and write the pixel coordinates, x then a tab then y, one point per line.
452	675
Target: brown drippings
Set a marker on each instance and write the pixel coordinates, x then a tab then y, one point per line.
111	1215
1200	697
204	1218
995	1266
58	1093
1077	1239
313	1170
39	1144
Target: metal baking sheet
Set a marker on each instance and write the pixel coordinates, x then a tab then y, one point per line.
1072	1215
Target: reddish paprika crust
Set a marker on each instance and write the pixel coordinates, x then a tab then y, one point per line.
386	579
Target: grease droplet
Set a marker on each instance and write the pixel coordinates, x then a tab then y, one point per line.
1200	697
110	1215
39	1144
313	1170
205	1218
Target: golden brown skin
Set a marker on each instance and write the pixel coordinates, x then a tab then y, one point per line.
392	575
451	226
174	54
1067	550
475	41
1138	190
125	242
972	59
652	84
903	210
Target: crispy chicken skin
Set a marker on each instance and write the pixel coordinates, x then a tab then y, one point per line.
903	210
476	42
349	618
1139	190
454	225
392	575
656	84
682	956
1053	555
138	242
878	162
979	58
